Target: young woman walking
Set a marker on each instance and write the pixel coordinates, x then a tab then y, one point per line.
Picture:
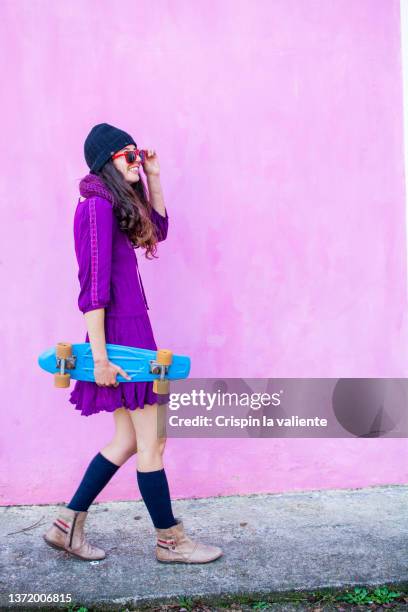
113	217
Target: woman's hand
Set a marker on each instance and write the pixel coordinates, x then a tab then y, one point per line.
151	163
105	373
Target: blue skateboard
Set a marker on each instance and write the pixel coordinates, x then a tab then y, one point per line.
75	361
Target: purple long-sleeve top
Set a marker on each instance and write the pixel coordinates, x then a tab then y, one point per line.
108	272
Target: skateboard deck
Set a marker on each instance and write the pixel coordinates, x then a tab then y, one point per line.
66	361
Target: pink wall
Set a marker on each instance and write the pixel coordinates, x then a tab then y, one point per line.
278	126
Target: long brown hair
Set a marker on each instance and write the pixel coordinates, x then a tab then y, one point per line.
131	208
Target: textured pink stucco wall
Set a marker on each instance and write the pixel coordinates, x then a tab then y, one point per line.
278	126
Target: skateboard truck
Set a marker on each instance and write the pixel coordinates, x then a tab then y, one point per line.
161	366
65	360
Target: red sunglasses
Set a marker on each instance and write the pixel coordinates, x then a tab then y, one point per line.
131	155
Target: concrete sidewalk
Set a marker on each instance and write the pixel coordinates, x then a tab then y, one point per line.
278	542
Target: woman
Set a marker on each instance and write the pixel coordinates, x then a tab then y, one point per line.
114	217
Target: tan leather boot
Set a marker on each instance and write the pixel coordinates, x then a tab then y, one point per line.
67	533
174	546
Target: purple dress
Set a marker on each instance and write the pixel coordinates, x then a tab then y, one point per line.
109	278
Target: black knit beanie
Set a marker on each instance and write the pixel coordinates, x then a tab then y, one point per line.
102	142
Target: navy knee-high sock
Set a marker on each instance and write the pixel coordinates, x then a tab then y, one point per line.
154	489
96	477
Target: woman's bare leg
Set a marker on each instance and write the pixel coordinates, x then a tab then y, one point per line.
150	435
123	445
99	472
150	473
172	545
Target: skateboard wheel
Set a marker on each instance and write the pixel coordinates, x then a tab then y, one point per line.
161	386
164	356
63	350
61	380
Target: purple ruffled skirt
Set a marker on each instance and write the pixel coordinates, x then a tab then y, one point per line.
135	330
